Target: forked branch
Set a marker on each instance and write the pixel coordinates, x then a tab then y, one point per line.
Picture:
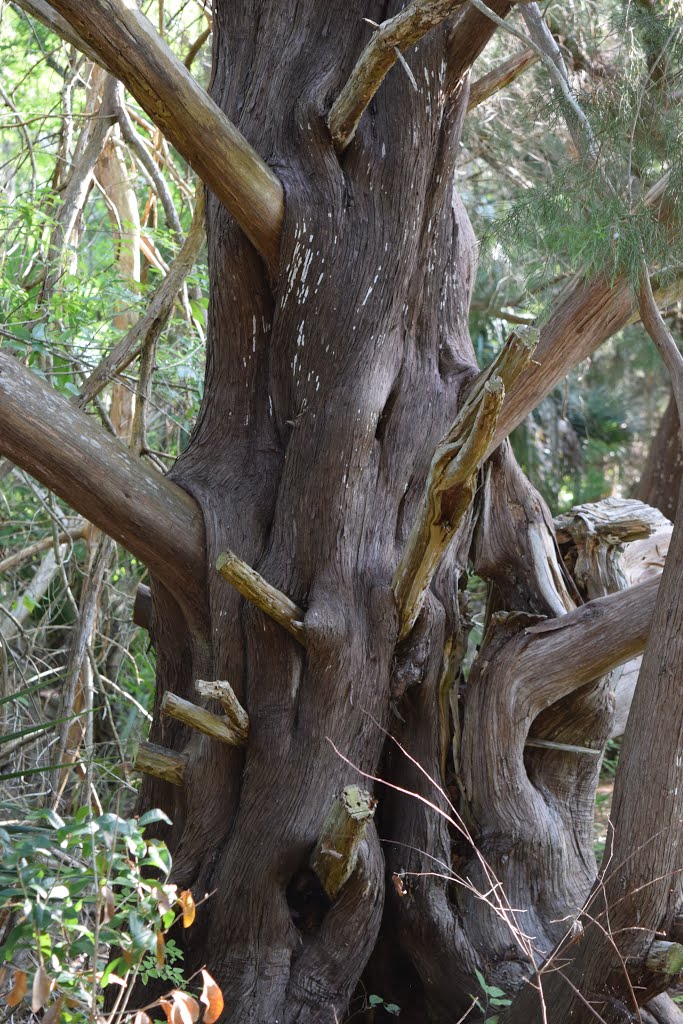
126	43
390	40
202	720
452	477
268	598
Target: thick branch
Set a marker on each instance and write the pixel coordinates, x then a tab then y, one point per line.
266	597
222	691
379	56
500	77
63	448
586	314
452	477
44	13
125	41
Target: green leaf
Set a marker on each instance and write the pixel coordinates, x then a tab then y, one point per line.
154	815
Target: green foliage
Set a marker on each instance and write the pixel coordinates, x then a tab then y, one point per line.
79	888
374	1002
493	997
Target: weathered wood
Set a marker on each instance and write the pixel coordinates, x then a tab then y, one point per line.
126	42
336	853
202	720
161	763
95	473
452	476
664	957
269	599
390	39
500	77
222	691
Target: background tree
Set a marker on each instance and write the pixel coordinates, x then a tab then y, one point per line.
341	265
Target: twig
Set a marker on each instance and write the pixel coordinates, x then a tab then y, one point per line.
202	720
388	43
662	337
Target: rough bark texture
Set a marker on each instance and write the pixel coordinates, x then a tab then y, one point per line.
660	480
328	387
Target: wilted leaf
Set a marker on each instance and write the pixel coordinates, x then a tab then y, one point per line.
53	1013
162	899
18	989
167	1007
108	906
212	997
141	1018
187	903
40	989
185	1008
161	950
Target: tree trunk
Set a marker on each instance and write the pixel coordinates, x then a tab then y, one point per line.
660	480
333	371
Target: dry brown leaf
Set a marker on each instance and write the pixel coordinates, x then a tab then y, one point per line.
185	1008
53	1013
212	997
187	903
18	989
40	990
161	949
167	1006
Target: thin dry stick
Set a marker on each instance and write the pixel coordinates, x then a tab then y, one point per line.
661	336
150	325
379	56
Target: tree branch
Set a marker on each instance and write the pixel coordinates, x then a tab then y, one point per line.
452	477
96	474
662	338
125	41
268	598
152	322
391	38
500	77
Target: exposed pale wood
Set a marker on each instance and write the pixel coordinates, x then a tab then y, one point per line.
665	957
390	39
500	77
269	599
66	450
570	748
161	763
202	720
452	477
336	853
126	42
222	691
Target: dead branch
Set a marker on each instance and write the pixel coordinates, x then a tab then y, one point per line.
152	517
161	763
19	557
389	41
269	599
336	853
662	338
126	42
44	13
222	691
150	325
452	477
202	720
500	77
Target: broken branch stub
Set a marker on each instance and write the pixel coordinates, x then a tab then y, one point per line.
451	480
269	599
161	763
202	720
336	853
222	691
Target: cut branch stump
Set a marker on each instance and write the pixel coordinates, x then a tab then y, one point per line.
335	856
